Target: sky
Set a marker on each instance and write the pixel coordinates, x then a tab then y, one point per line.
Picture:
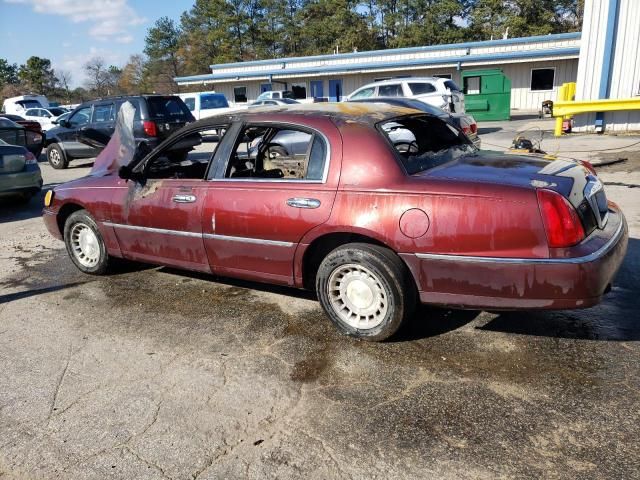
71	32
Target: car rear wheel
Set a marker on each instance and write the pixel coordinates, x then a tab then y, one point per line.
365	290
56	157
85	244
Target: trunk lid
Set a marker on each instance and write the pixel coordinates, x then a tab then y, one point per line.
12	158
573	180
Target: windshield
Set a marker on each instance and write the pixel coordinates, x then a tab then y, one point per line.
424	142
168	108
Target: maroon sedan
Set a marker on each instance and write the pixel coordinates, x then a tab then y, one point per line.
373	206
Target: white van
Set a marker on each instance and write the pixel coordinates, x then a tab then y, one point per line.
205	104
19	105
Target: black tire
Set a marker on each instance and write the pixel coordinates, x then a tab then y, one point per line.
56	157
388	273
82	218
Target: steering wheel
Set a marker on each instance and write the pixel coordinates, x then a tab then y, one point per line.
407	147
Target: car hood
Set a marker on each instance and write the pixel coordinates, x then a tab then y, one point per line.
566	177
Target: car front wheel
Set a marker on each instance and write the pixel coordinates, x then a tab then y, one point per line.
56	157
85	244
365	290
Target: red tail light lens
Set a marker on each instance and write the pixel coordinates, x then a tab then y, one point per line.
466	129
474	127
561	222
150	128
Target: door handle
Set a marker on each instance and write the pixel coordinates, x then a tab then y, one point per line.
303	202
184	198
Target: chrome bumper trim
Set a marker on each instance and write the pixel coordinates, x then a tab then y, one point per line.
575	260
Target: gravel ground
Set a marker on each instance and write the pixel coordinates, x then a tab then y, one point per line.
157	373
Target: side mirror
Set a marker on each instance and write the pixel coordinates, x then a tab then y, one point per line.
126	173
64	123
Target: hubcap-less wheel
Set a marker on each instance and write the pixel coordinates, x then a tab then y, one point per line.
85	245
357	296
54	157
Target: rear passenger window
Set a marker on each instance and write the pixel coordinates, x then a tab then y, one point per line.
190	103
390	91
421	88
267	152
103	113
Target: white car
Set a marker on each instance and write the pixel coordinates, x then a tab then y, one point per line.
439	92
44	116
275	95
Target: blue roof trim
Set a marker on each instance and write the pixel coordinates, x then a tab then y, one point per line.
574	51
395	51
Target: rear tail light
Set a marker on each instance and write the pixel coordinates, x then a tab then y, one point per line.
561	222
466	129
150	128
474	128
30	159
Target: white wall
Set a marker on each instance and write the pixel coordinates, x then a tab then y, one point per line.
625	74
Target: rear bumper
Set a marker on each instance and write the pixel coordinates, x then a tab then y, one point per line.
29	181
572	281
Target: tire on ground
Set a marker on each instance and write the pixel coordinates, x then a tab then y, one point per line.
397	289
56	157
81	219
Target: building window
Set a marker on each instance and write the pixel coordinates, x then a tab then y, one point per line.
542	78
299	90
443	75
240	94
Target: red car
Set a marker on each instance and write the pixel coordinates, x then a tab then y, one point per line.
383	206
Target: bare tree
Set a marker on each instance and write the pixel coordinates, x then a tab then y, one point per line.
97	75
64	81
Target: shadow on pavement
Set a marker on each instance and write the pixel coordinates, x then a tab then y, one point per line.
11	297
485	130
13	209
616	318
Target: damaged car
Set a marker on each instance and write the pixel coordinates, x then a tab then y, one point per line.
383	208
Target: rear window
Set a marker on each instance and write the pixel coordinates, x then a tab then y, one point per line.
213	101
424	142
168	108
451	85
421	88
57	111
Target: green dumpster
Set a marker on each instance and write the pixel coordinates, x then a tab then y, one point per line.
487	94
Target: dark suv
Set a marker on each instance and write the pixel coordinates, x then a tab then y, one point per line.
156	117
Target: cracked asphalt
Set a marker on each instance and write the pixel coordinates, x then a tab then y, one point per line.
156	373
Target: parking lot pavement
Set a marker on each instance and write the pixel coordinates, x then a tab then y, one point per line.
157	373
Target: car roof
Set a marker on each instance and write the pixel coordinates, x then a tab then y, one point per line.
352	112
403	79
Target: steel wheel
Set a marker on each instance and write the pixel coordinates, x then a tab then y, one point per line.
84	245
357	296
54	157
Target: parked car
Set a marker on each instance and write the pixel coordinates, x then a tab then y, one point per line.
463	121
276	95
26	136
274	102
34	136
18	105
46	117
205	104
439	92
157	116
62	117
19	171
371	225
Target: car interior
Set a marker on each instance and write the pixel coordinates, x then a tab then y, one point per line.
270	152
